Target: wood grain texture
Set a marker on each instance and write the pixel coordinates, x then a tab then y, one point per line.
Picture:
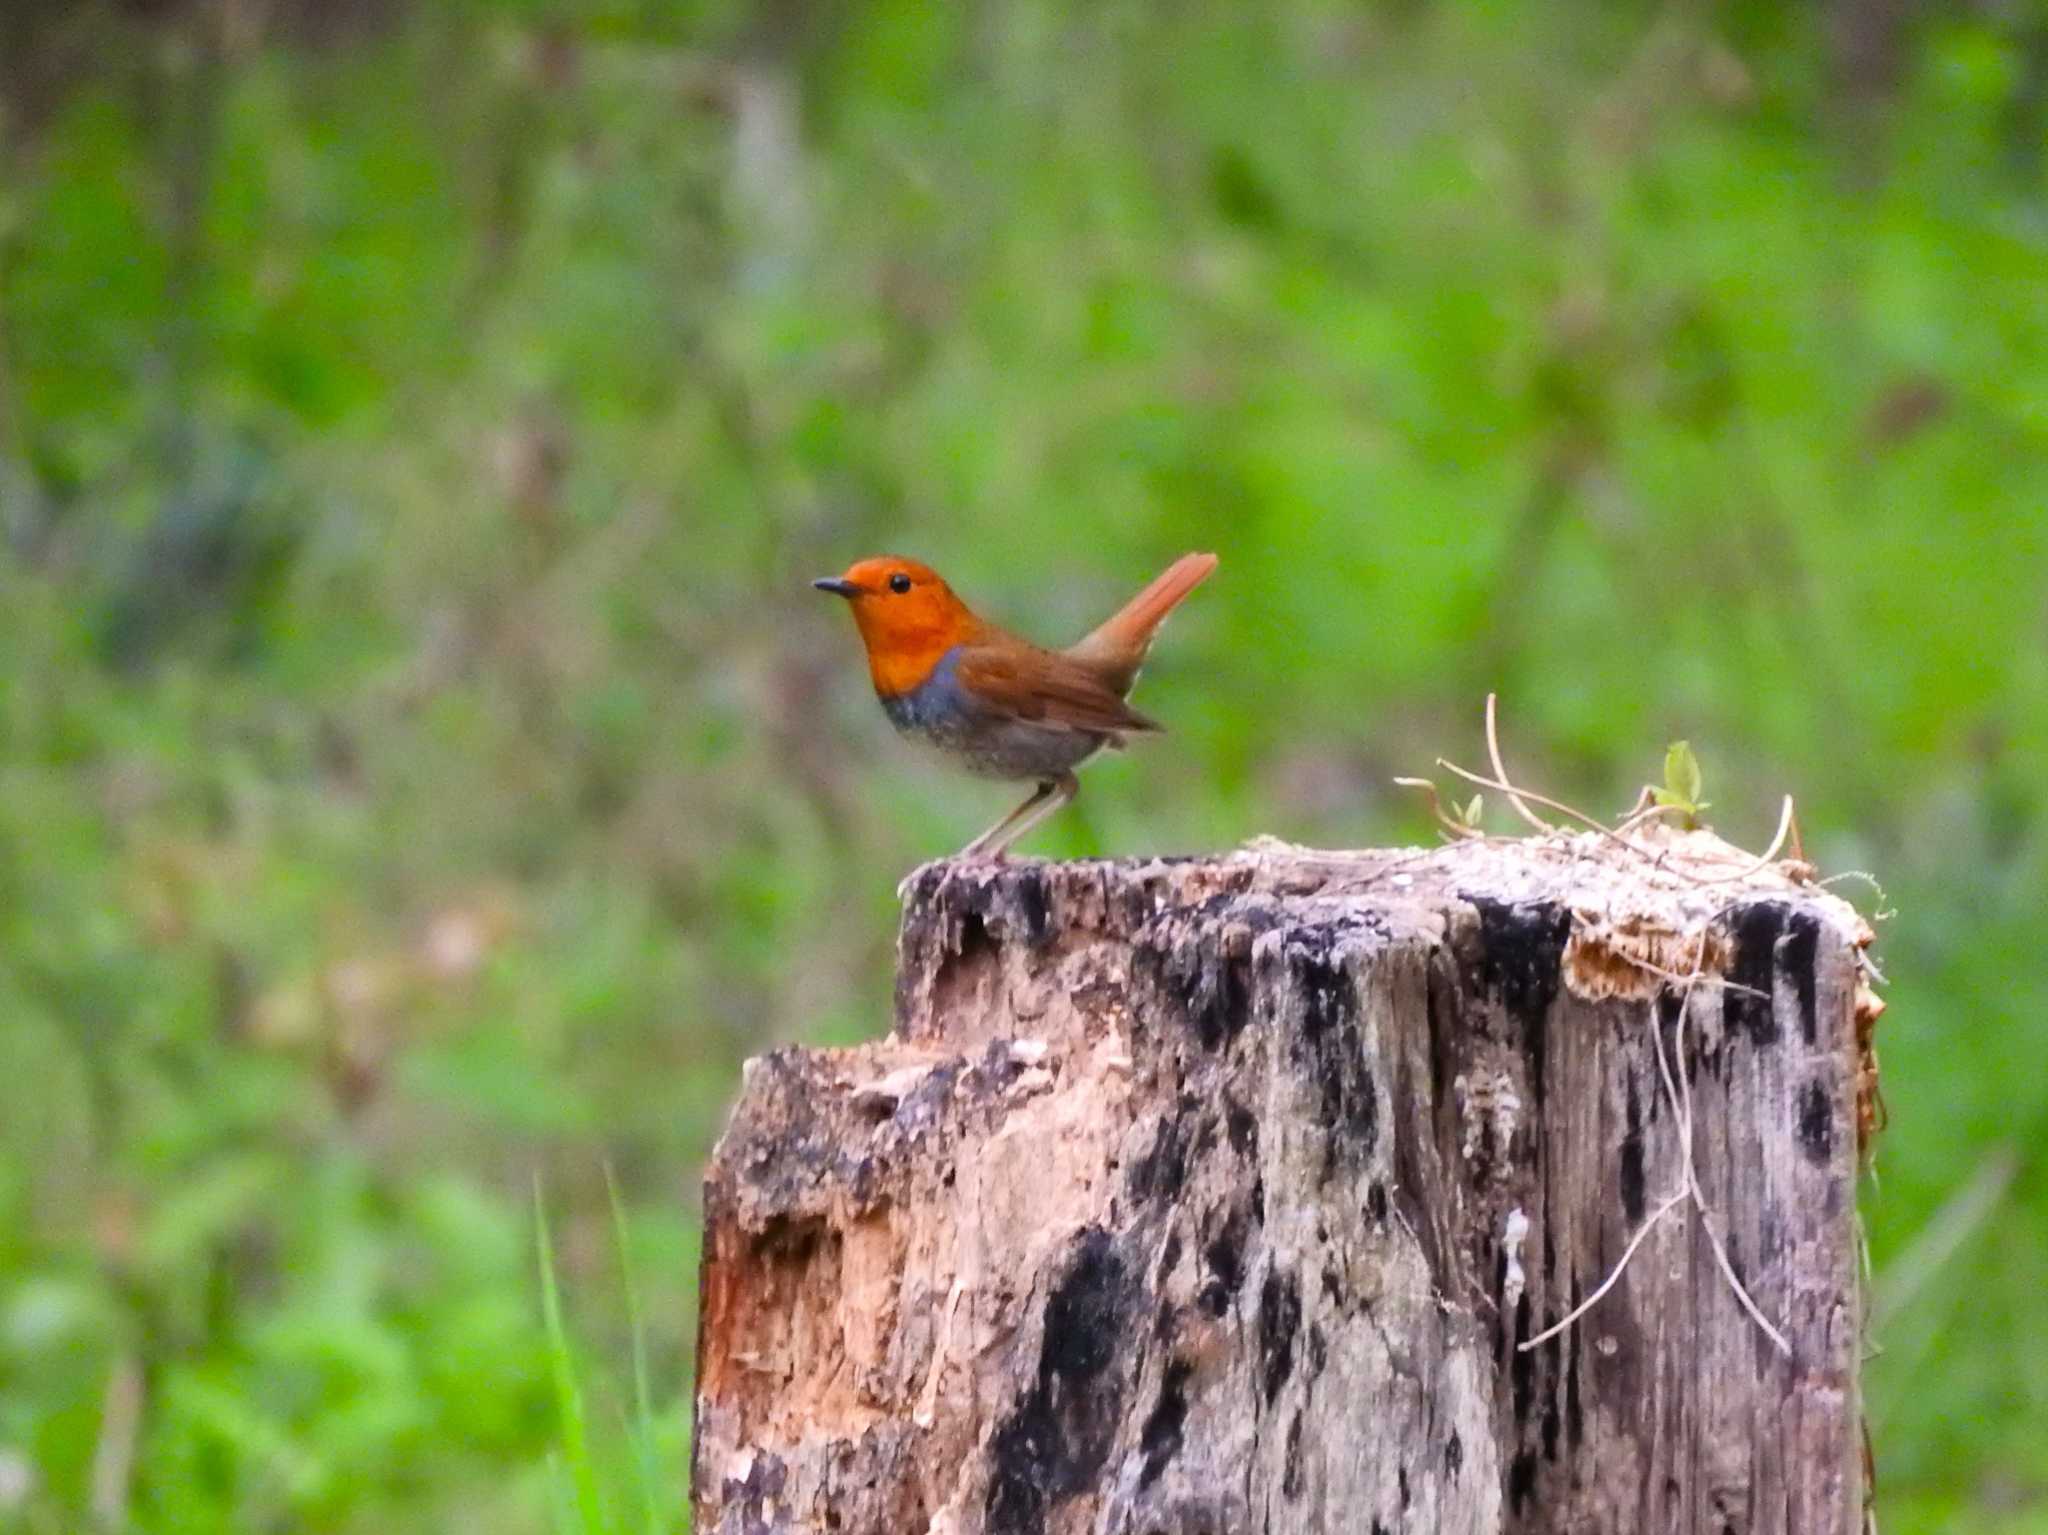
1217	1195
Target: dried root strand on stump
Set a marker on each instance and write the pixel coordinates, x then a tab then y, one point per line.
1218	1196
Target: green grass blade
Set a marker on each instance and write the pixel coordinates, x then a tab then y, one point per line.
590	1510
653	1485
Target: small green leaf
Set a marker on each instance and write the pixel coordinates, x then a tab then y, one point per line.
1681	776
1475	810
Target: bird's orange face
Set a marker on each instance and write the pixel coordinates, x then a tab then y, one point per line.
908	618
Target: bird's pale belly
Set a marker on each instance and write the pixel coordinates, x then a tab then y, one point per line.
942	715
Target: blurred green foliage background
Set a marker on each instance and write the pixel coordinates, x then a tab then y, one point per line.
424	769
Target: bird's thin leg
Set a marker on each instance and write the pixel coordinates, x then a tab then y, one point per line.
1049	797
987	839
1064	789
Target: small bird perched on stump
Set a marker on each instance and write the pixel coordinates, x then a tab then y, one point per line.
995	704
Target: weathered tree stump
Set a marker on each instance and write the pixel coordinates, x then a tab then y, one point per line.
1220	1195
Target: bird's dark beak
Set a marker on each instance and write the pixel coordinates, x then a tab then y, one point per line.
837	585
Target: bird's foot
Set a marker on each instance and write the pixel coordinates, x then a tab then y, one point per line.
972	853
990	845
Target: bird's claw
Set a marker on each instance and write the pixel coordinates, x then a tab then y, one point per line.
969	854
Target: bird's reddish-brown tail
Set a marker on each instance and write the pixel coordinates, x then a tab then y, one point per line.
1117	649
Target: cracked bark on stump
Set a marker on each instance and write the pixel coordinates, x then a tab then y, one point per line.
1216	1195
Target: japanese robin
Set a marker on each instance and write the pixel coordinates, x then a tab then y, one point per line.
995	704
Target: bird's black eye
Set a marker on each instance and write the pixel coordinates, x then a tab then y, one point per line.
899	583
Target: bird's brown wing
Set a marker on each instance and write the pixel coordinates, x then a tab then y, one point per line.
1046	688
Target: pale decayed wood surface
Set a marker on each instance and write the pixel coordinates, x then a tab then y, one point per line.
1215	1196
